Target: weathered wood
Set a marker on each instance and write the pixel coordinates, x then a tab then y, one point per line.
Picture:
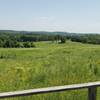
52	89
92	93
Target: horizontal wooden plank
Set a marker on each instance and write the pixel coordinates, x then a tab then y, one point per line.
48	90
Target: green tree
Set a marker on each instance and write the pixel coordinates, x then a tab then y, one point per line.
63	40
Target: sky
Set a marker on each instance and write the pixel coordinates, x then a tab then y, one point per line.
82	16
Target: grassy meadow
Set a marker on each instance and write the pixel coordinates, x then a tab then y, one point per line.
49	64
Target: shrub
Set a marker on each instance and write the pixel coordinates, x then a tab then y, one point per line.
28	44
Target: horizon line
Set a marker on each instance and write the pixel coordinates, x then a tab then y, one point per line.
49	31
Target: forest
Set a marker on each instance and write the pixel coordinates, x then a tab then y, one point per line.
25	39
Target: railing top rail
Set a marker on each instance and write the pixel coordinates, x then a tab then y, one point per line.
48	89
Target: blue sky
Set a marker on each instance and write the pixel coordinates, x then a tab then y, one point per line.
50	15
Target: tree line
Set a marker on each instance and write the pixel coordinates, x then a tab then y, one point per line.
12	41
19	39
15	44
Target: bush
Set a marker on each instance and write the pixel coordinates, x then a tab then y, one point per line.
28	44
32	44
15	44
9	44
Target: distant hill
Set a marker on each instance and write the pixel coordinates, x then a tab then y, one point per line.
43	32
33	32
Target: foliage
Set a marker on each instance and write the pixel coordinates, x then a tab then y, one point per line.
63	40
15	44
14	38
28	44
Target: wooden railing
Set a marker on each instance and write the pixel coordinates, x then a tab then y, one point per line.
92	88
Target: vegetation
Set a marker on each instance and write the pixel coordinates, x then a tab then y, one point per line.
50	64
63	40
60	61
16	44
23	39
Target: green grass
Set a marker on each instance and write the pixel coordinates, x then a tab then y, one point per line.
49	64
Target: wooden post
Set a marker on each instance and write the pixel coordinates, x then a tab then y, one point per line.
92	93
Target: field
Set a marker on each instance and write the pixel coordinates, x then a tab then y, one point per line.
49	64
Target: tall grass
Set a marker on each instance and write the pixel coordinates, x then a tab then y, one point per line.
49	64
